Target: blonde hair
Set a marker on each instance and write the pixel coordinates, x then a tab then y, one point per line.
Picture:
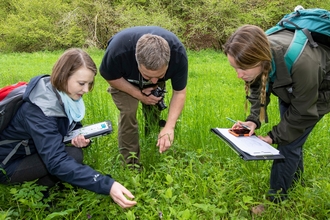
249	46
152	51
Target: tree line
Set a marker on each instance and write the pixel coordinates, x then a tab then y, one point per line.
37	25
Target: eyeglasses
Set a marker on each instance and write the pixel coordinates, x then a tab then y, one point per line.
142	82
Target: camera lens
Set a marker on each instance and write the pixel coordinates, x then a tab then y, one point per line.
161	105
159	92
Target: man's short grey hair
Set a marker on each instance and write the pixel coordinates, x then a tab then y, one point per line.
152	51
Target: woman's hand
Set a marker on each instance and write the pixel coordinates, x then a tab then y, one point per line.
117	193
80	141
240	125
266	139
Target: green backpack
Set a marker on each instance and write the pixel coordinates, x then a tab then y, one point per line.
309	25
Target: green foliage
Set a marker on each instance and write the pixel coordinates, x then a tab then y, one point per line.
97	21
199	177
133	14
4	9
51	25
29	197
71	33
30	25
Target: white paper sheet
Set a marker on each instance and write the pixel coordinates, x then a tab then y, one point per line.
251	145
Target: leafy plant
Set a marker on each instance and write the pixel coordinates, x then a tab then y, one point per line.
199	177
200	24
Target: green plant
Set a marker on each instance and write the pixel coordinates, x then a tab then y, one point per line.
199	177
30	197
30	25
200	24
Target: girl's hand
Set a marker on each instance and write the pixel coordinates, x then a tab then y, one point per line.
266	139
117	193
80	141
251	125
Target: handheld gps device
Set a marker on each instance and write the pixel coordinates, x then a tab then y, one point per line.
89	131
239	132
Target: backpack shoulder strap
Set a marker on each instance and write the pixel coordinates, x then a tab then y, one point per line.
14	150
274	30
295	48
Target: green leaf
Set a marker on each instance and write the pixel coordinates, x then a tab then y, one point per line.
58	214
247	199
185	214
169	179
168	193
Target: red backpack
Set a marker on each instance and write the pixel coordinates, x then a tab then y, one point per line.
10	100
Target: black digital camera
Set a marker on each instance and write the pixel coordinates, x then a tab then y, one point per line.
159	92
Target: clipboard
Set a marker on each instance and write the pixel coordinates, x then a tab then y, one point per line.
238	144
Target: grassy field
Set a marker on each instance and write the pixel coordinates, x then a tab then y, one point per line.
200	177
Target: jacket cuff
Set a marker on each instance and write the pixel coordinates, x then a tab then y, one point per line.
106	185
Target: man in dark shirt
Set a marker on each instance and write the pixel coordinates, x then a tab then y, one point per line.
136	62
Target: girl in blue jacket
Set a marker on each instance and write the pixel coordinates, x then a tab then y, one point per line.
52	107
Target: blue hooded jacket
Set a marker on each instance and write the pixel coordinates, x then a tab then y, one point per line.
42	120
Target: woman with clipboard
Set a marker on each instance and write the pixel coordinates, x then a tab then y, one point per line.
303	95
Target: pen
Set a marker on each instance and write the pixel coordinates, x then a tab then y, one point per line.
232	120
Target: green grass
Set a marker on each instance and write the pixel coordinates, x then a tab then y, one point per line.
200	177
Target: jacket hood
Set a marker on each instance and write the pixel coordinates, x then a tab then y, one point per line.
41	93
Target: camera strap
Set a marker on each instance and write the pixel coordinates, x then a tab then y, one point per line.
144	84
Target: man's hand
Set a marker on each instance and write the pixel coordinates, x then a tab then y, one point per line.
117	193
147	91
149	99
166	135
165	139
124	86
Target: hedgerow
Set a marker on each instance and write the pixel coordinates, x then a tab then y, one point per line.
36	25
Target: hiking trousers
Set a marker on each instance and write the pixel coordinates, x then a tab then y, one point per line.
285	172
128	127
32	167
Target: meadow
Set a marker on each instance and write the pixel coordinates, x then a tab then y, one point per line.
199	177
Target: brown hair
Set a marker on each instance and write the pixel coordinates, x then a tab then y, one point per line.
249	46
68	63
152	51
